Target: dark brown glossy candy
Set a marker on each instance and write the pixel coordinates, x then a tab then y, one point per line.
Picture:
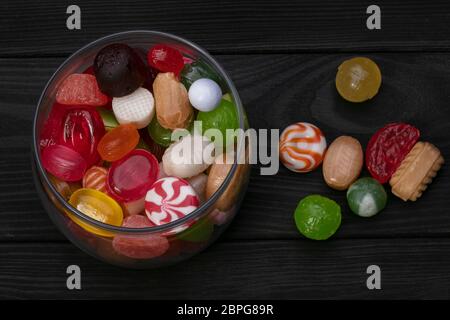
119	70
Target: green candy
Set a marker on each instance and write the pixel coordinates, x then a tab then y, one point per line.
197	70
223	117
159	134
109	120
317	217
366	197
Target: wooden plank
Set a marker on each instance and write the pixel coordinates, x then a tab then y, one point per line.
276	90
39	28
410	269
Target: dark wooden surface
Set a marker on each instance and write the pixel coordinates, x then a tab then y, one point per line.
282	56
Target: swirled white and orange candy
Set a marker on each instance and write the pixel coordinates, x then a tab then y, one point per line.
302	147
170	199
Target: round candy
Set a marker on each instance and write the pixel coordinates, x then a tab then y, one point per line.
165	59
98	206
358	79
95	178
170	199
80	90
197	70
116	143
132	176
223	117
366	197
302	147
205	95
63	162
81	131
317	217
119	70
137	108
159	134
140	246
388	147
189	156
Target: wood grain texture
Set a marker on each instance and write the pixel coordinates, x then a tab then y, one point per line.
276	90
39	27
411	268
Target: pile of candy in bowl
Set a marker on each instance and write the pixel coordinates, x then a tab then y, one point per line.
107	148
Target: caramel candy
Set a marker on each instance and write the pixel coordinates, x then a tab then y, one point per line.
173	109
342	163
416	171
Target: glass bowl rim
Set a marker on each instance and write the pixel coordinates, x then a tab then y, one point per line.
155	229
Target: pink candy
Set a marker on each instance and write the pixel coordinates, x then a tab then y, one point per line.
63	162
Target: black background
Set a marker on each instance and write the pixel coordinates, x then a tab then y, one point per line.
282	56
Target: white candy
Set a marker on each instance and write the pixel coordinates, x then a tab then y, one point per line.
188	157
205	94
137	108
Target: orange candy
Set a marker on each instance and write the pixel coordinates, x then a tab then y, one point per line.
95	178
116	143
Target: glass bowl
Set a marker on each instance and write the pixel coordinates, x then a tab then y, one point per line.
144	247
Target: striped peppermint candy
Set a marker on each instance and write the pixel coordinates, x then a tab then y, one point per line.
302	147
170	199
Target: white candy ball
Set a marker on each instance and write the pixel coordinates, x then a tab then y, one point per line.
137	108
205	94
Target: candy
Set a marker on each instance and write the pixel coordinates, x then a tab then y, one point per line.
388	147
137	108
64	188
119	70
116	143
198	182
81	131
159	134
98	206
109	120
302	147
140	246
197	70
201	231
95	178
342	163
317	217
170	199
165	59
205	95
81	90
217	174
416	171
188	157
172	103
358	79
366	197
63	162
134	207
51	130
222	118
132	176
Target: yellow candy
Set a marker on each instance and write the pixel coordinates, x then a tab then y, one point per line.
98	206
358	79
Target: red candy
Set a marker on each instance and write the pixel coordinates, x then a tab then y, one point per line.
132	176
145	246
82	130
165	59
63	162
388	147
52	127
80	89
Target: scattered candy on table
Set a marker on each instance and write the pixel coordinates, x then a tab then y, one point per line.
317	217
416	171
137	108
358	79
302	147
205	95
170	199
343	162
366	197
